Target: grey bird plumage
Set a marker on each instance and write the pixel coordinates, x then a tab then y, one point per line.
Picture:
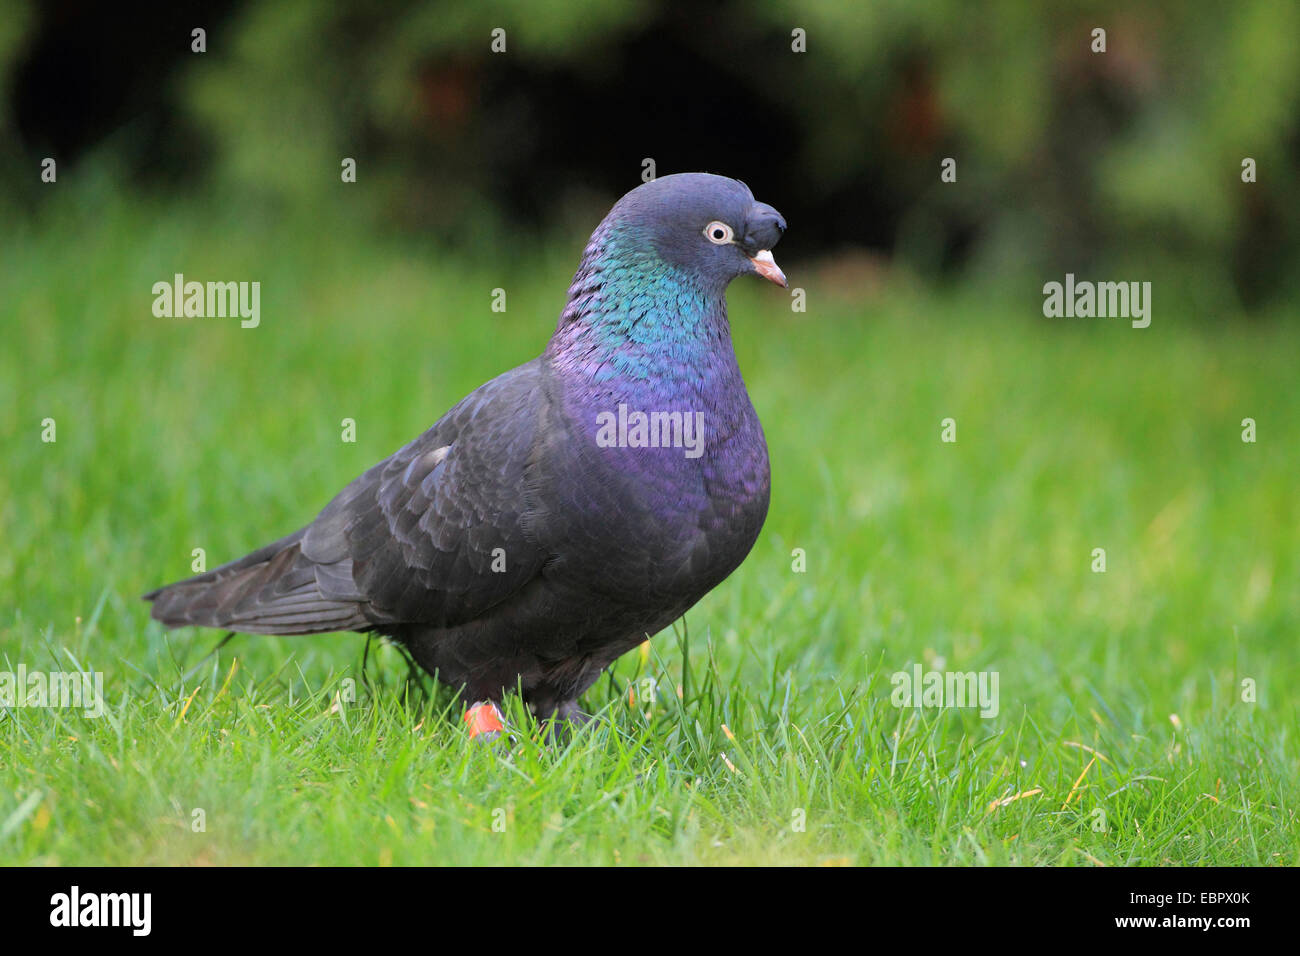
508	545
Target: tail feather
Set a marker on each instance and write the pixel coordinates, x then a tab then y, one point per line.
274	590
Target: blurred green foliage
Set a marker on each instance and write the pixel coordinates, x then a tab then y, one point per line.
1126	163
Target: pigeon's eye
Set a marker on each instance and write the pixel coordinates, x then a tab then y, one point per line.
719	233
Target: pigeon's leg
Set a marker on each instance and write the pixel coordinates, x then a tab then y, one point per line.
569	711
485	721
561	719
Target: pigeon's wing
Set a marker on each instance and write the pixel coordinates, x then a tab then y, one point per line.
436	534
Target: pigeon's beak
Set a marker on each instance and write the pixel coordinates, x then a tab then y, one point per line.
766	266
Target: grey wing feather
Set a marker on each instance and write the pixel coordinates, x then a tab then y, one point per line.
434	535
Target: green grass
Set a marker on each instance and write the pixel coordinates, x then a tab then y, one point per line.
773	700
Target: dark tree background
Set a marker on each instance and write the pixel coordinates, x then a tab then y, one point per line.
1127	160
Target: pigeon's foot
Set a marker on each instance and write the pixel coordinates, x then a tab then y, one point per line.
484	721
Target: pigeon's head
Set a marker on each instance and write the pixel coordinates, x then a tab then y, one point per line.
706	226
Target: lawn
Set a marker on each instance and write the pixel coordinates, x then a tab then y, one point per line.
1146	713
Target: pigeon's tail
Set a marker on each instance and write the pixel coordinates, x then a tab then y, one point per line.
274	590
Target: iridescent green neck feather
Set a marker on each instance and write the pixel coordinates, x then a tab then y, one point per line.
632	316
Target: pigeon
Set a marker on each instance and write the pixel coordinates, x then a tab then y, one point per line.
566	511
